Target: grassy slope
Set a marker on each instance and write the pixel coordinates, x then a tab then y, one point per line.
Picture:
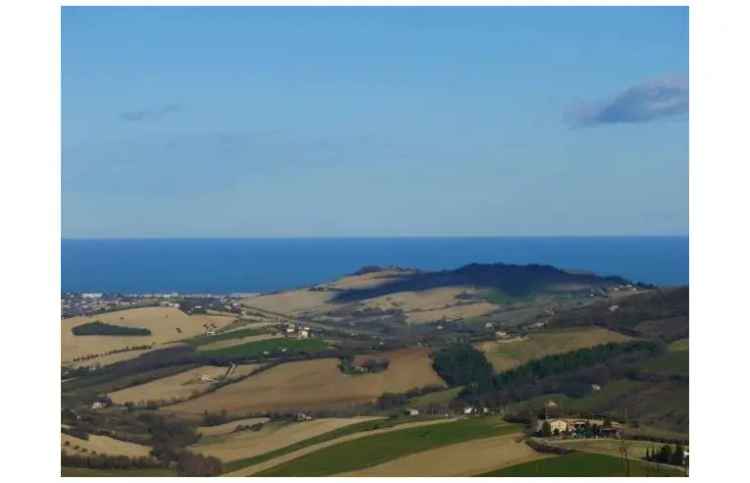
374	450
508	355
582	464
437	397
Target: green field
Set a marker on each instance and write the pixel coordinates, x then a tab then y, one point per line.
322	438
377	449
584	464
437	397
272	346
90	472
680	345
235	334
671	363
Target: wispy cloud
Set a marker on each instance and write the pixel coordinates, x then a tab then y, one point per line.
154	114
645	102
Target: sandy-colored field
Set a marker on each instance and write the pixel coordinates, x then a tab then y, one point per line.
432	305
507	355
292	302
240	340
251	470
463	311
422	300
272	436
227	428
463	459
317	384
163	322
178	386
103	445
111	358
368	280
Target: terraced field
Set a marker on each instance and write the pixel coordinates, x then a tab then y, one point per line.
506	355
273	436
461	459
371	451
317	384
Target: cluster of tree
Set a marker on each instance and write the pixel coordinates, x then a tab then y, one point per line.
191	464
667	456
369	366
570	361
106	462
655	305
100	328
215	419
168	435
514	280
463	365
392	400
571	373
113	351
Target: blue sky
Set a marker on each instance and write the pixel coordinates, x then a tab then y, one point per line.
284	122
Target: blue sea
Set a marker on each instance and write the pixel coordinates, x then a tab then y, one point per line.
263	265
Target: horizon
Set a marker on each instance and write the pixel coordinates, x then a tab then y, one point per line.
374	122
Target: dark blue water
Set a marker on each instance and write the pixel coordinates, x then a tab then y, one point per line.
259	265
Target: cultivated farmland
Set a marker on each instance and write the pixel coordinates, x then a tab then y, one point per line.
317	384
461	459
374	450
505	355
166	324
102	445
179	386
272	436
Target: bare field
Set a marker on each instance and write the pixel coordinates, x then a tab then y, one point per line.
103	445
463	459
163	322
507	355
317	384
178	386
246	444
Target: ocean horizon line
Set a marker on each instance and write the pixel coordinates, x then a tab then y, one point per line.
384	237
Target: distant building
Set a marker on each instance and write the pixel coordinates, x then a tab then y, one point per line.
556	425
412	412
